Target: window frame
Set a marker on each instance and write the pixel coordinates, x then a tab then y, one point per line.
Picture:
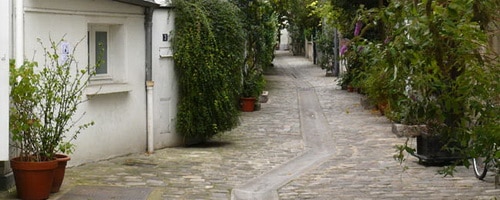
93	29
116	78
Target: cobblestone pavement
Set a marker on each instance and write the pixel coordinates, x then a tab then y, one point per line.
360	167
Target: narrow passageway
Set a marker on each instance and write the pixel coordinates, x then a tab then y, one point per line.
315	133
311	140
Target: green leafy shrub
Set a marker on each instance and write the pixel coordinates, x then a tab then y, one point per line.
253	84
260	25
440	57
44	101
208	47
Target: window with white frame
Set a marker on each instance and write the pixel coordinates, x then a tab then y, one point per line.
98	50
106	52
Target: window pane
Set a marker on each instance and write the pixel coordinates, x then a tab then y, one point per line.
101	52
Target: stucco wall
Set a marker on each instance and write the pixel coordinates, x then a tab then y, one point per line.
120	117
4	80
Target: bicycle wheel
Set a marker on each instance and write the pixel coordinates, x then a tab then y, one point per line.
480	168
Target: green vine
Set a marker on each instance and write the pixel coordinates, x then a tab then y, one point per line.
209	46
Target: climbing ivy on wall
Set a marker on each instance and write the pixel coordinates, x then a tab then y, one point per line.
208	45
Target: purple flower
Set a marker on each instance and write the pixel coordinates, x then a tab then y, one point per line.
358	27
343	49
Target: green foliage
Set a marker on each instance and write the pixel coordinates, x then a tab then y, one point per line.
209	46
44	101
302	18
325	36
349	10
439	70
429	60
260	25
280	8
343	16
253	84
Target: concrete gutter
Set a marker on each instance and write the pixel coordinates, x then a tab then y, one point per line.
143	3
315	131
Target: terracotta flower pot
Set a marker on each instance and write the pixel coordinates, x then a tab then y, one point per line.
350	88
33	179
382	107
62	160
248	104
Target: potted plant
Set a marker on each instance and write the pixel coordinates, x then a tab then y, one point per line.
44	100
253	85
447	75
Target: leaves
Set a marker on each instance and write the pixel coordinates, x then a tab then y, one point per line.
44	100
435	48
209	47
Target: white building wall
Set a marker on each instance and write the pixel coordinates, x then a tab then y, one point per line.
165	89
309	46
120	115
284	39
4	79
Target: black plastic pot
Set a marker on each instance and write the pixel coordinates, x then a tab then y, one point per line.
430	151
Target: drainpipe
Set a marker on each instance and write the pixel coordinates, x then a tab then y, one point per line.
149	78
19	32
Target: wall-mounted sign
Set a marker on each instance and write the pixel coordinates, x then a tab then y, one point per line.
64	51
166	52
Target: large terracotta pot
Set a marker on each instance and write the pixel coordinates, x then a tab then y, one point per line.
33	179
248	104
62	160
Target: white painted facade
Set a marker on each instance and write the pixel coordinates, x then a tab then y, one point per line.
4	78
119	109
120	115
284	42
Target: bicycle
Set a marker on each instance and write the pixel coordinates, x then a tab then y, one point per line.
482	165
481	168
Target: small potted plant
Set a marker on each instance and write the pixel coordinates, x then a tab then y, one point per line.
253	85
44	100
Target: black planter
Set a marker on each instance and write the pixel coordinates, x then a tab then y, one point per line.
430	151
